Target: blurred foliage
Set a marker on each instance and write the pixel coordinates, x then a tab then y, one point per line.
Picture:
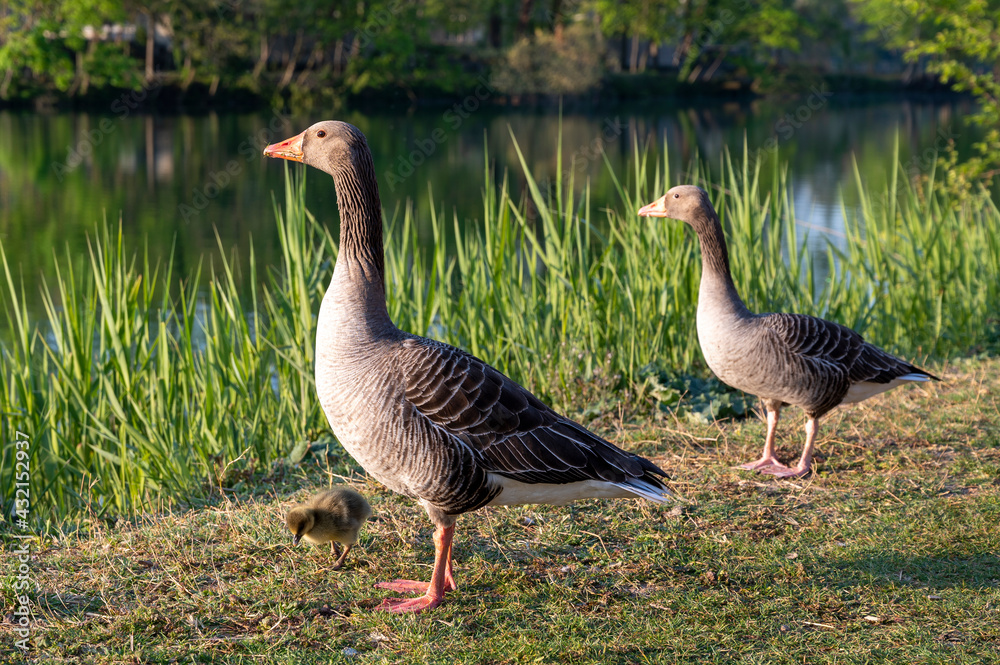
44	45
317	52
960	43
545	64
272	49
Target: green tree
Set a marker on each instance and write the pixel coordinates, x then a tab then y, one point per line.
635	21
392	38
211	40
750	34
60	45
960	42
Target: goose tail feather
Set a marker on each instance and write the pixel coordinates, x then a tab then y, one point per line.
647	490
916	376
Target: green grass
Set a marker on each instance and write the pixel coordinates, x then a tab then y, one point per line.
890	553
138	389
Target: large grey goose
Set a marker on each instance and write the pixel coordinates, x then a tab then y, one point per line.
426	419
784	359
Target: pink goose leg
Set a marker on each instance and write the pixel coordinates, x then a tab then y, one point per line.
442	579
767	459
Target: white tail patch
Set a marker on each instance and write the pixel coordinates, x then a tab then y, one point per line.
861	391
914	377
515	492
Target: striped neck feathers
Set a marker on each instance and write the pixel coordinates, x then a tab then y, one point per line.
361	219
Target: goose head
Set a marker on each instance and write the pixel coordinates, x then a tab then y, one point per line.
685	202
691	204
331	146
300	521
341	150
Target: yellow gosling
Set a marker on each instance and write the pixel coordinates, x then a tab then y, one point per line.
334	516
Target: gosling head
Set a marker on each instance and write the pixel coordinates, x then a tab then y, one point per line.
685	202
300	521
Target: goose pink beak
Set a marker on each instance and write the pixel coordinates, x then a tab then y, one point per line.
657	208
290	149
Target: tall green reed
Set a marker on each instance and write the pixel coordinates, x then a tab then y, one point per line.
139	387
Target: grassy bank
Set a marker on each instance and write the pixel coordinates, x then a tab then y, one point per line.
889	554
138	390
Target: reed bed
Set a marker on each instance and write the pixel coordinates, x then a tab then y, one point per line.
140	387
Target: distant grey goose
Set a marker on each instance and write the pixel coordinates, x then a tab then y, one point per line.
428	420
782	358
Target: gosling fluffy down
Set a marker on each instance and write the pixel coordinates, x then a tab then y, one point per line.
334	516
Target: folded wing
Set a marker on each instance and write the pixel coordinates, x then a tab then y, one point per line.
510	431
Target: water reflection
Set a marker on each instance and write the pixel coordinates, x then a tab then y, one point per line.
174	180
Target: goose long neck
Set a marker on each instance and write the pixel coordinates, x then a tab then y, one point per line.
717	288
359	277
361	223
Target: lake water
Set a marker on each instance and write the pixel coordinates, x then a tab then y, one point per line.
174	181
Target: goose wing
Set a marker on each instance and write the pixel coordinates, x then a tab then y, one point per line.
811	337
839	348
508	430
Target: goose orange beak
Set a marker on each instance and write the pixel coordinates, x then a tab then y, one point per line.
657	208
290	149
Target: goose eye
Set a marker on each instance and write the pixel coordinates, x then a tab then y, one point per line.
321	133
